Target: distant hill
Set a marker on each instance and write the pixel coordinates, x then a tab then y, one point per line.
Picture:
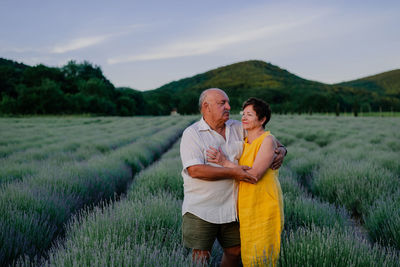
285	91
386	83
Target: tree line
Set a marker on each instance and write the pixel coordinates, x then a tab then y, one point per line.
75	88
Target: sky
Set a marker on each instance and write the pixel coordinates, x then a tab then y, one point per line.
146	44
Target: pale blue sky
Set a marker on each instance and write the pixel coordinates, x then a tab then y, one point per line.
145	44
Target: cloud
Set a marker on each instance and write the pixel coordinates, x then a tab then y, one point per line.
200	46
72	45
216	39
84	42
79	44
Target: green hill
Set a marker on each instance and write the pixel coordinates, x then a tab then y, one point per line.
285	91
386	83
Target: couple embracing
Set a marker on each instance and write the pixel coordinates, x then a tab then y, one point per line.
231	187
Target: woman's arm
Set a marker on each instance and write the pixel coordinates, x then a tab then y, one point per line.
264	157
263	161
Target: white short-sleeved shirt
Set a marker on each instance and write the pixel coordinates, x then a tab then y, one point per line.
212	201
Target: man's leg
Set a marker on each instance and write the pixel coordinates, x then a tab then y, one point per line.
231	257
199	235
229	238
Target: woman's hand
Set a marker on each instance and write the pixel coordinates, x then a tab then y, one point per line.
217	157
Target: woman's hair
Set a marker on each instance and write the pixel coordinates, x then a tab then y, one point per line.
262	108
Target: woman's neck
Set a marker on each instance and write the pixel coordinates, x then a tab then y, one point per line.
253	134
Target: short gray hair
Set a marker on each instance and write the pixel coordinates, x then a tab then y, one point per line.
203	96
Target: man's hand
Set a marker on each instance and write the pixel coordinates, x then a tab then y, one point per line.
241	174
280	153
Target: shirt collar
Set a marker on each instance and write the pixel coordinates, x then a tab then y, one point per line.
203	126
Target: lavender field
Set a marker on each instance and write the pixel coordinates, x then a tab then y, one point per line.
89	191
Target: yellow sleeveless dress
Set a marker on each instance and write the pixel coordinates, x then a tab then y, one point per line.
260	208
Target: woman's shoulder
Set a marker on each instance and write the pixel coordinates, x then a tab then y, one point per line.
260	139
268	139
265	135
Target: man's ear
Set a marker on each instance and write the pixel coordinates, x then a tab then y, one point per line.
205	105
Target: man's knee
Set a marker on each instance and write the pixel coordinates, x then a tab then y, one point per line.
232	251
200	256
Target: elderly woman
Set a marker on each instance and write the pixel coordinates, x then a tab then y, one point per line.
260	205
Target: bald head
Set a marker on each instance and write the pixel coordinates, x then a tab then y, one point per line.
207	94
214	106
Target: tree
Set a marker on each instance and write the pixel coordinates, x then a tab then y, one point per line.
126	106
96	87
77	73
8	105
34	76
43	99
129	102
188	103
9	78
51	97
337	110
27	99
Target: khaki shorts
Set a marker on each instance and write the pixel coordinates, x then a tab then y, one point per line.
200	234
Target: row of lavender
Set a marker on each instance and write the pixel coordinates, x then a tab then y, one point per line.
29	145
36	205
352	163
142	229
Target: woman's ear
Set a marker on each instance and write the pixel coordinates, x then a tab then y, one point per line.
263	120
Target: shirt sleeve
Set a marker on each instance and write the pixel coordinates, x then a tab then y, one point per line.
190	149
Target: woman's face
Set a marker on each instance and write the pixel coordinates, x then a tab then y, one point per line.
250	120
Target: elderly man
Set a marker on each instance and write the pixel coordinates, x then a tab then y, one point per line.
210	191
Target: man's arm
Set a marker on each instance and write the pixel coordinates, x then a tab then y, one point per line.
211	173
260	165
280	153
192	156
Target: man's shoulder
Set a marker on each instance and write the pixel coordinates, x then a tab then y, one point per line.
192	129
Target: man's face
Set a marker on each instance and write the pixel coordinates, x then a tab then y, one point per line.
218	105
